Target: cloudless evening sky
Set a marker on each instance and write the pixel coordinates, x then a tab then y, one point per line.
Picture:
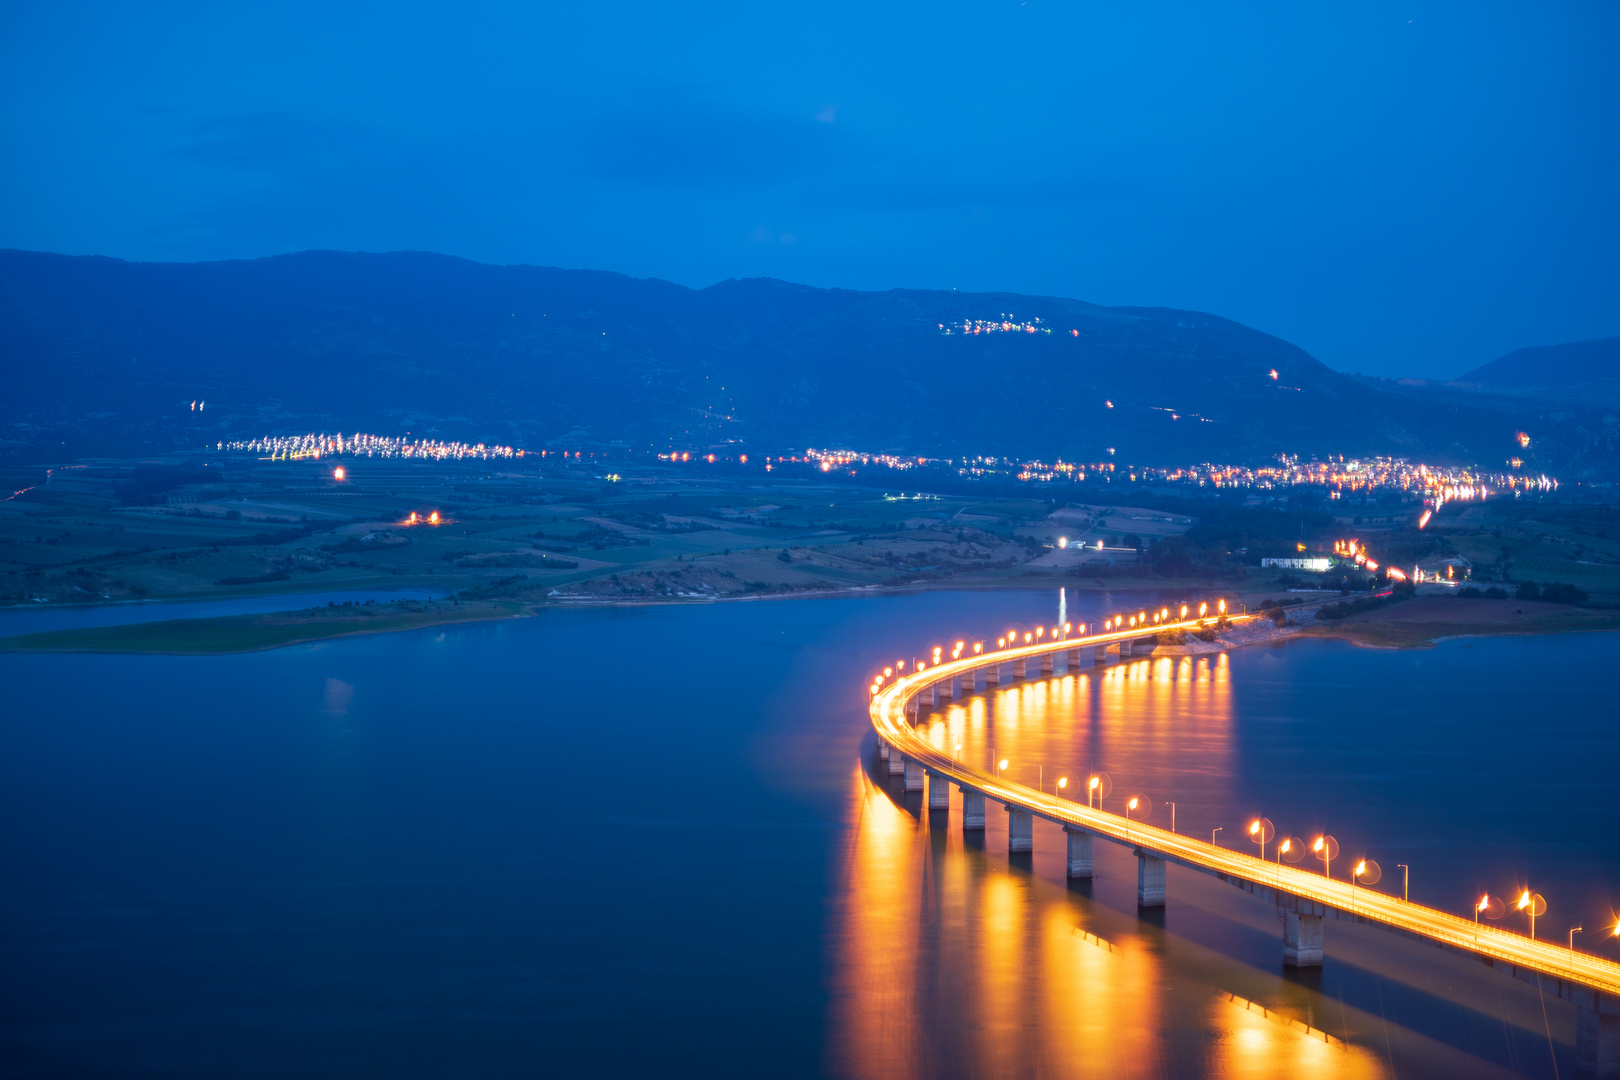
1400	189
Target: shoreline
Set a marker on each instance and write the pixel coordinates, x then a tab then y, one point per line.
232	634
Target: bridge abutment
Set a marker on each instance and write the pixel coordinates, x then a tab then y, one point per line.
1149	880
1080	844
1020	830
972	810
1302	939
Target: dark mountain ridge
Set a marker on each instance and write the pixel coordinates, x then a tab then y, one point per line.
1573	364
106	355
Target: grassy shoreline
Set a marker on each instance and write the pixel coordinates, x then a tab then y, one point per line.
1390	634
255	633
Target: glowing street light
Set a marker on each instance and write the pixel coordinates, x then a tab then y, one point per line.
1365	872
1063	782
1326	848
1489	906
1261	831
1533	904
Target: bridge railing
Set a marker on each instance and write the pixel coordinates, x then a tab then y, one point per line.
888	707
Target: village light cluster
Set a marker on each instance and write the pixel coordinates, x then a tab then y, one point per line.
1435	484
310	446
1004	325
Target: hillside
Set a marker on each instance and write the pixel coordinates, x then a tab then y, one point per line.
1567	367
107	356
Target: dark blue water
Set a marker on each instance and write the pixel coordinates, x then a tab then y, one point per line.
619	841
33	619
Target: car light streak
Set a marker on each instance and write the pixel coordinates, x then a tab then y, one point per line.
887	712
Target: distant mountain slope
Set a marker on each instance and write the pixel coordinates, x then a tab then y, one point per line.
1565	366
109	355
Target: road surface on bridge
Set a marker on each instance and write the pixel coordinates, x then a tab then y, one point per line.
1598	976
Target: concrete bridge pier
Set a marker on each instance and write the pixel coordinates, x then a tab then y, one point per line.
1302	939
1597	1043
914	775
939	791
1149	881
972	810
992	675
1099	655
931	695
1046	665
1018	668
945	690
897	762
1020	830
1073	662
1079	853
883	749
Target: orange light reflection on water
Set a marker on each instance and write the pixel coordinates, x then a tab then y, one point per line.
945	959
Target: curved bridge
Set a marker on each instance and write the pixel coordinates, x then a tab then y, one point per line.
1303	898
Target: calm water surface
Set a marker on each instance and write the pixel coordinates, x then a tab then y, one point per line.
611	841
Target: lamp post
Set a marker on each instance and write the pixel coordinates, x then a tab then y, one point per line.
1572	932
1534	904
1260	831
1406	882
1172	817
1325	848
1212	833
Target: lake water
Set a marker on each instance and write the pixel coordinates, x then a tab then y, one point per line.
658	841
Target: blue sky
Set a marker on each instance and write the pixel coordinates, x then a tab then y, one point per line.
1400	189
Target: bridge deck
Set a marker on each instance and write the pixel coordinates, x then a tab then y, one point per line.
1583	978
